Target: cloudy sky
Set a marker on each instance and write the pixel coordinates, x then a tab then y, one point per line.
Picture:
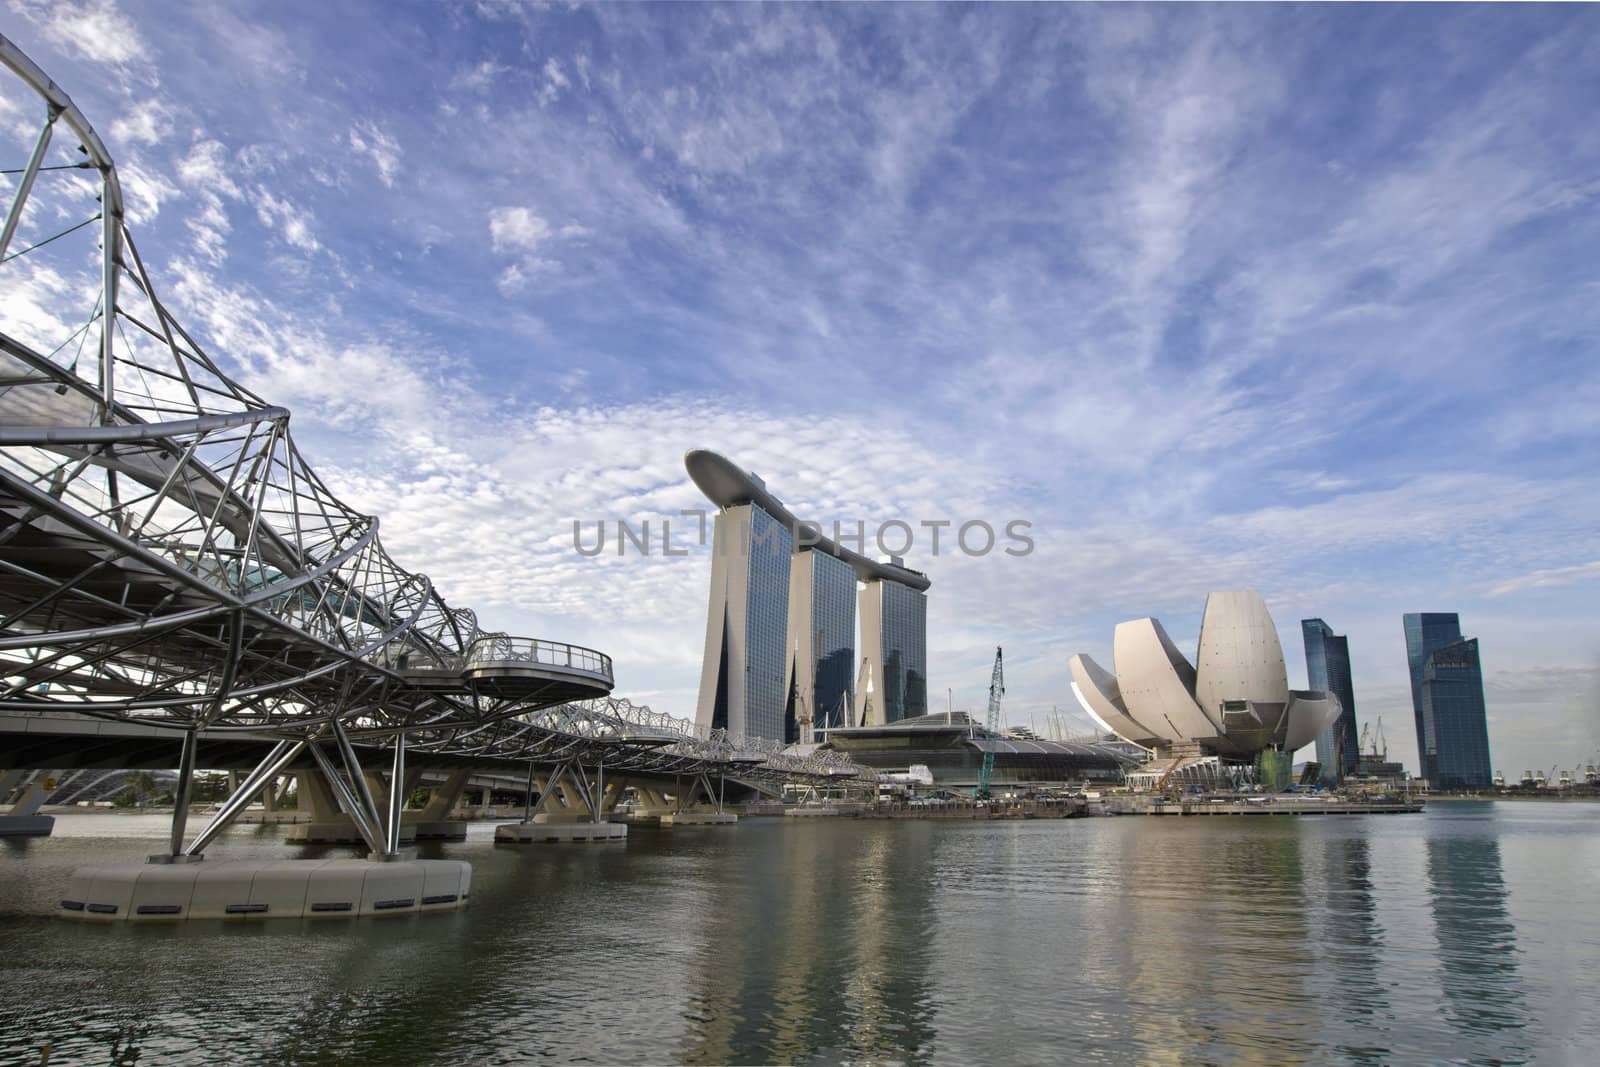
1297	299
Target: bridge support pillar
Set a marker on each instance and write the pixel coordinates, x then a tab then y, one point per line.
325	793
185	787
649	804
33	795
577	820
282	754
686	814
433	822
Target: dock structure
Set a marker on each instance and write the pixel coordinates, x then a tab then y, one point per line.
1053	807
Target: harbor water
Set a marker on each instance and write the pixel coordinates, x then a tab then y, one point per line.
1469	933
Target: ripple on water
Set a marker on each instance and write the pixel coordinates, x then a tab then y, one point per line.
1465	934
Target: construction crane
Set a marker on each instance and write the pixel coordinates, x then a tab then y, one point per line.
997	689
1373	743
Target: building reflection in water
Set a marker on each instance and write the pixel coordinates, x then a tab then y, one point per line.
1477	942
1352	944
1220	963
821	952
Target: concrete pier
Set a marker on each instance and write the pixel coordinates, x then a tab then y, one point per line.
638	818
26	825
699	818
542	830
264	889
22	819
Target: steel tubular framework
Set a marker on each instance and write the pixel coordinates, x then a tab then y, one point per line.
169	557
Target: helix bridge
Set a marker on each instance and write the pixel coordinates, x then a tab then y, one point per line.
169	558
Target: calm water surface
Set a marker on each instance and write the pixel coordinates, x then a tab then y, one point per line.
1468	934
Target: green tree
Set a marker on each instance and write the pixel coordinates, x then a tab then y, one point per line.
141	785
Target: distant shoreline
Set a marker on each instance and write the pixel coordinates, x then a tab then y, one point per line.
1584	799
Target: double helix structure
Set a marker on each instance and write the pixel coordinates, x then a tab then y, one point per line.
168	556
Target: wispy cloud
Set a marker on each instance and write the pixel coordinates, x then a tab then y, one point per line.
1546	579
479	77
1294	298
149	122
367	139
96	29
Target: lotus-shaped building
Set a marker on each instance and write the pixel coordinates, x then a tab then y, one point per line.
1232	704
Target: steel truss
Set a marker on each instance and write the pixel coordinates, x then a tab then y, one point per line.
169	557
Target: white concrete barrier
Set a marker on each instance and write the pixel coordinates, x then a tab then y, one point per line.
264	889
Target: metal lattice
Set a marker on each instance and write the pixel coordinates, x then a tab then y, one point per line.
169	557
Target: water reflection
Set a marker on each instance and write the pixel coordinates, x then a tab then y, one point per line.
1477	942
1384	940
1352	945
886	998
818	953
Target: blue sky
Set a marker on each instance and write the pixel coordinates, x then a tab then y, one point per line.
1301	299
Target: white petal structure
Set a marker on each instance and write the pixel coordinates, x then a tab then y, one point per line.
1240	657
1311	711
1235	704
1096	689
1157	682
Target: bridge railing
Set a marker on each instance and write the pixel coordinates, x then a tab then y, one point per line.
503	650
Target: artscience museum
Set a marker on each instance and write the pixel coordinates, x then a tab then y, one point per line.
1228	717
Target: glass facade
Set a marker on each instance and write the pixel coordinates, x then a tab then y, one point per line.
833	627
905	651
766	626
1453	706
1447	701
1328	668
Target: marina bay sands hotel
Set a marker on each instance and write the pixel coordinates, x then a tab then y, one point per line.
781	630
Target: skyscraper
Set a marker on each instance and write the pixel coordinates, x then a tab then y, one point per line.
822	642
894	652
1328	667
742	678
780	631
1447	701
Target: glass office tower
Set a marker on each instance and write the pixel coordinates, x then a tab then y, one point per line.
1453	706
742	675
1328	668
894	652
822	642
1447	700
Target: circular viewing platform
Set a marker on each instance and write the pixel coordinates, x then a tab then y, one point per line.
519	667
